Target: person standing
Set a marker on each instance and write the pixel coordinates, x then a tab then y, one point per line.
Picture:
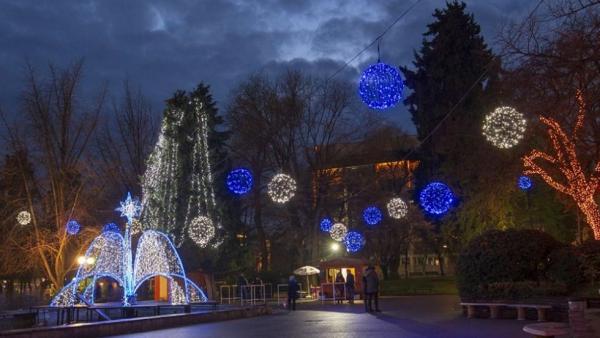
350	287
292	293
243	285
339	287
371	289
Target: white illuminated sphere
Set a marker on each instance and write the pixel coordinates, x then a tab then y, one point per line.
282	188
24	218
397	208
201	230
338	232
504	127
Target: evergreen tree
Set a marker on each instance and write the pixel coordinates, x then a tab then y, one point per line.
178	182
449	65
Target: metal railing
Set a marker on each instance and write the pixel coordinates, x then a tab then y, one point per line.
245	294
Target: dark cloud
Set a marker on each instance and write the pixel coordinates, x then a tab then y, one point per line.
164	45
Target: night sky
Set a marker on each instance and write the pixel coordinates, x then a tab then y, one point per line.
161	46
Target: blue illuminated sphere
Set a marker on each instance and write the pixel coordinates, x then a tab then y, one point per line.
326	224
73	227
380	86
372	215
525	183
436	198
111	227
354	241
239	181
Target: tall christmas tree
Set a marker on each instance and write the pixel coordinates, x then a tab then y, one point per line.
178	194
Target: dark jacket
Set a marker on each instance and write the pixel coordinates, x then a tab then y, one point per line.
371	282
293	289
350	280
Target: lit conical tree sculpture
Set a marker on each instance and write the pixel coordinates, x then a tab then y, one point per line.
574	181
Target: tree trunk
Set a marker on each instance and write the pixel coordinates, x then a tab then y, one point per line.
589	208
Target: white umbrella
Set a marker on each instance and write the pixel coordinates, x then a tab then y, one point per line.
307	270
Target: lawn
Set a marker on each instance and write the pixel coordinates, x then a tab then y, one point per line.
419	286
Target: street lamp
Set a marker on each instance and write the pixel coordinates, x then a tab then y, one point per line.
335	247
83	260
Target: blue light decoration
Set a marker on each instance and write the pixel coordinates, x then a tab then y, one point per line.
380	86
354	241
112	253
436	198
73	227
326	224
111	227
525	183
239	181
372	215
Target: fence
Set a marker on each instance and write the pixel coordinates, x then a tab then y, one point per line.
246	294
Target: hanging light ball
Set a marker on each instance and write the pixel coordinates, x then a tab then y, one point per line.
201	230
372	215
380	86
504	127
239	181
524	183
282	188
436	198
326	224
338	232
111	227
24	217
397	208
354	241
73	227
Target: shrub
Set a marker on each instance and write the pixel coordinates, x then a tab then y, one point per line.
589	253
503	257
565	267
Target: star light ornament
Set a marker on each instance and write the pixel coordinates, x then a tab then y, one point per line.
380	86
504	127
282	188
130	208
397	208
338	232
24	217
201	231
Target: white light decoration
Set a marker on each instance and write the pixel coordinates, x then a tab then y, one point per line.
136	227
397	208
282	188
161	185
110	256
504	127
338	232
24	217
201	231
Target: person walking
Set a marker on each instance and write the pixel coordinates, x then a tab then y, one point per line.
292	293
339	287
350	287
371	289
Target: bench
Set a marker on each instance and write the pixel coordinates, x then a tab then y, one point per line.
495	309
539	330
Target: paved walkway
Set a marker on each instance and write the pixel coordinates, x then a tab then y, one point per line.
406	317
